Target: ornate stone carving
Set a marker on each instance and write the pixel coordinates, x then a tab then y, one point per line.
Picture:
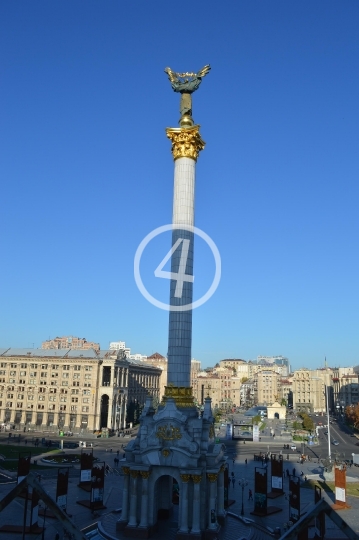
212	477
134	474
126	470
186	142
211	431
185	478
166	452
196	478
223	468
182	395
168	433
145	474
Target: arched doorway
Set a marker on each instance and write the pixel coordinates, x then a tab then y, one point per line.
276	415
104	411
166	499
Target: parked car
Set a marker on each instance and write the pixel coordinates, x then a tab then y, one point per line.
325	433
335	443
293	447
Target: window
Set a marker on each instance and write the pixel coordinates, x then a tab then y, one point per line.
43	374
52	398
12	373
13	365
30	398
3	364
33	366
76	375
51	407
63	391
2	372
88	368
66	368
53	383
22	381
73	407
85	409
65	383
75	383
53	390
44	366
53	375
85	400
2	379
62	407
55	366
12	381
42	390
63	399
23	366
74	391
19	405
76	368
20	396
41	407
74	400
10	396
9	404
22	373
41	398
65	375
87	377
85	392
43	383
32	381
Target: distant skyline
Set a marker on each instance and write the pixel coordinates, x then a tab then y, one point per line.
87	173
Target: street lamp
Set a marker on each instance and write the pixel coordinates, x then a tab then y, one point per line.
243	483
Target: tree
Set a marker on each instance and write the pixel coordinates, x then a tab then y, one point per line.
256	419
283	402
308	423
352	415
244	379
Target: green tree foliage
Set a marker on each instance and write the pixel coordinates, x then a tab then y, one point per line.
308	423
256	419
283	402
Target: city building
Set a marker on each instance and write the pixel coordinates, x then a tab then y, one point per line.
161	363
345	387
69	389
267	386
69	342
308	391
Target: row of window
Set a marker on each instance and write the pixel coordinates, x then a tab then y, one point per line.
19	405
45	366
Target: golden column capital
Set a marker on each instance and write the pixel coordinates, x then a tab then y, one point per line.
126	470
196	478
145	474
134	474
185	478
223	468
186	142
212	477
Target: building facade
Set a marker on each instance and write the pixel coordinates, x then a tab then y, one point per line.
267	386
68	390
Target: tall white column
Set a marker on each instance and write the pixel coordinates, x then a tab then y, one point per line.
184	503
220	492
196	528
212	500
144	499
126	481
133	499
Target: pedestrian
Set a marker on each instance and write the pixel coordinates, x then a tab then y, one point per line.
118	452
287	471
250	495
293	471
234	460
245	461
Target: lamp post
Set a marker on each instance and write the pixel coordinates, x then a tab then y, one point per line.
243	483
328	422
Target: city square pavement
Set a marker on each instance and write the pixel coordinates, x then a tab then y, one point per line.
234	529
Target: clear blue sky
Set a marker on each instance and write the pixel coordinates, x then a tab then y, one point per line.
87	173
